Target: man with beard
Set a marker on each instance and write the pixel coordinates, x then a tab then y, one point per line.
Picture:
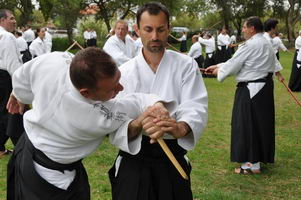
174	76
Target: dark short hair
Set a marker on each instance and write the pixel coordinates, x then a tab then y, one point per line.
256	23
3	13
270	24
153	8
90	65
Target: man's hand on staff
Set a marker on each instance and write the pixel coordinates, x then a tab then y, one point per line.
157	111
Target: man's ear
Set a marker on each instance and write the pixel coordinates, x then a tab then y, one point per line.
84	92
136	29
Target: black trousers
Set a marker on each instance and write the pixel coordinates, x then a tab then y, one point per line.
253	124
24	183
150	175
5	90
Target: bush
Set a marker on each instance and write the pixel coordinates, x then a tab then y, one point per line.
60	44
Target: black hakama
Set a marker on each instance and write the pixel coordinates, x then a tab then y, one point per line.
150	175
295	78
200	61
223	54
5	90
183	46
24	183
253	124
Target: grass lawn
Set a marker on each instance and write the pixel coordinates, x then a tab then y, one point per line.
213	174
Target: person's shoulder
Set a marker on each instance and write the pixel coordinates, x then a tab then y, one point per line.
128	65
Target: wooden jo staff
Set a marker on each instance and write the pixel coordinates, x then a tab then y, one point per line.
291	93
75	43
172	158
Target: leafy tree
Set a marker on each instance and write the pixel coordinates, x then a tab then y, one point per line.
290	12
67	12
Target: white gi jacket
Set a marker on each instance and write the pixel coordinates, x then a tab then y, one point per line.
278	44
298	42
37	47
29	35
253	60
278	66
121	52
223	40
10	57
209	44
62	123
22	44
195	50
48	41
177	78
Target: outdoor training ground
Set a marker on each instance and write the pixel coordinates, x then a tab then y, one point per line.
213	175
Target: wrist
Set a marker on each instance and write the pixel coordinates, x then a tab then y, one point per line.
134	128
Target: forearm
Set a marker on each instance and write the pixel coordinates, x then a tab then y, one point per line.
134	129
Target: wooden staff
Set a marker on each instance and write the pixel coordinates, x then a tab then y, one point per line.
74	43
173	37
174	48
79	45
172	158
289	90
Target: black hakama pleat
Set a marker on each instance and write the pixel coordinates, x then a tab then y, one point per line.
222	55
183	46
24	183
200	61
253	125
5	90
150	175
295	78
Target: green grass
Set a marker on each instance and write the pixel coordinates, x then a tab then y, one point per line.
212	175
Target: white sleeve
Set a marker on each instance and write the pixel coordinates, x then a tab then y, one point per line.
32	49
21	83
233	65
10	54
113	50
203	41
282	46
193	108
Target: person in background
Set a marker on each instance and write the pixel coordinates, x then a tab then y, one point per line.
183	40
10	61
209	42
232	42
196	51
253	115
93	38
278	44
23	47
120	46
295	77
38	46
28	34
223	45
48	41
270	27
